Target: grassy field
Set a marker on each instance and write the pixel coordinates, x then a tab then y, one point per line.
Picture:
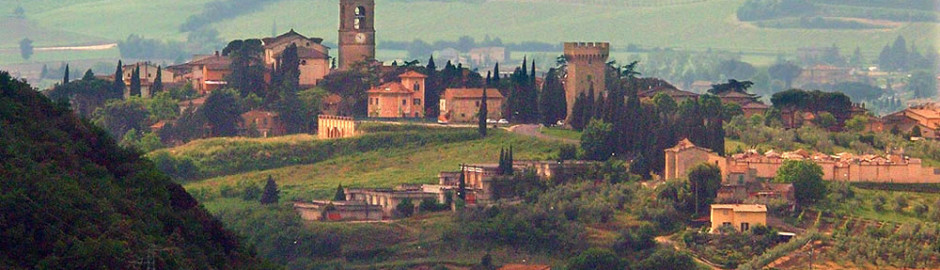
561	133
691	25
383	167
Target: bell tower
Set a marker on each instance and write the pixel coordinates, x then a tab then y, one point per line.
356	32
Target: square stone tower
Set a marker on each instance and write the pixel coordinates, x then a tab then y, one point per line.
356	32
587	65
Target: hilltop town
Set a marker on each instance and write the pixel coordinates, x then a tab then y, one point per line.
312	157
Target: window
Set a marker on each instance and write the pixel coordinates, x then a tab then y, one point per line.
360	14
417	101
478	104
745	226
417	87
725	224
404	102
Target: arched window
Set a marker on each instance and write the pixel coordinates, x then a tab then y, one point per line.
417	87
360	15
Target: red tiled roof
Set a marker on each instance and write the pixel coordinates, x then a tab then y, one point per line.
755	105
474	93
259	113
307	53
412	74
392	87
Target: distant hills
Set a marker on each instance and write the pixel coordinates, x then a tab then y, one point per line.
681	24
73	199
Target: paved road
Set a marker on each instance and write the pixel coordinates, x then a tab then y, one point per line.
533	131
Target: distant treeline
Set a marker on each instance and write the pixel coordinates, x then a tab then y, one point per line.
136	46
902	11
419	48
219	10
816	23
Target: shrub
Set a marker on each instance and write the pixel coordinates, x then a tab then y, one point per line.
227	191
249	191
900	202
595	258
405	208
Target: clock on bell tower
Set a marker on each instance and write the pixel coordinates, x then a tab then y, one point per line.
356	32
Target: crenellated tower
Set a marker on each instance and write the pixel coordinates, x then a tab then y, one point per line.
587	63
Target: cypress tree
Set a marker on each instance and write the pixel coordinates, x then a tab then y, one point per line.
496	75
135	82
483	112
432	90
157	85
270	194
576	119
118	85
66	79
462	185
340	193
589	104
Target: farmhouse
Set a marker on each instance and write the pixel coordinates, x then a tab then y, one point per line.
399	99
741	217
461	105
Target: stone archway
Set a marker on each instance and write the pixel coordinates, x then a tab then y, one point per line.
333	127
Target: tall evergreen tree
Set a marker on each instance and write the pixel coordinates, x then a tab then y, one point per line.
270	195
483	112
496	76
135	82
157	85
340	194
118	84
432	89
577	116
462	184
66	79
552	102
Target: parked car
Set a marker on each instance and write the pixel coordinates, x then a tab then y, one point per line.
503	121
490	121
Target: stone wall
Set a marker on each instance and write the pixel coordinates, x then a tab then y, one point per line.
587	64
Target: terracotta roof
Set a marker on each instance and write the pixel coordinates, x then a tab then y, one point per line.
274	41
412	74
472	93
735	94
757	208
686	144
391	87
214	62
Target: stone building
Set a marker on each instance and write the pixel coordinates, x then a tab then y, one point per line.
206	72
148	74
338	211
264	123
485	56
314	57
846	167
925	116
389	199
741	217
461	105
335	127
587	69
398	99
356	32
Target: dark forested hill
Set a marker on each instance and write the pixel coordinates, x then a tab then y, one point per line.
71	198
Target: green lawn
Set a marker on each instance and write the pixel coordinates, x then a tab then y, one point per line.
863	205
386	167
561	133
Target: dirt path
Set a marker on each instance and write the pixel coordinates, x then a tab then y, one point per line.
100	47
533	131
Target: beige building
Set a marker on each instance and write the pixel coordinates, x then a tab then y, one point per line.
148	73
486	56
741	217
461	105
314	56
398	99
335	127
840	167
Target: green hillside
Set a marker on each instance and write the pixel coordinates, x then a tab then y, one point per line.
73	199
695	25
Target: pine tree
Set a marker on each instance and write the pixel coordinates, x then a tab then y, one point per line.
157	85
66	79
483	112
135	82
118	86
271	194
340	193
